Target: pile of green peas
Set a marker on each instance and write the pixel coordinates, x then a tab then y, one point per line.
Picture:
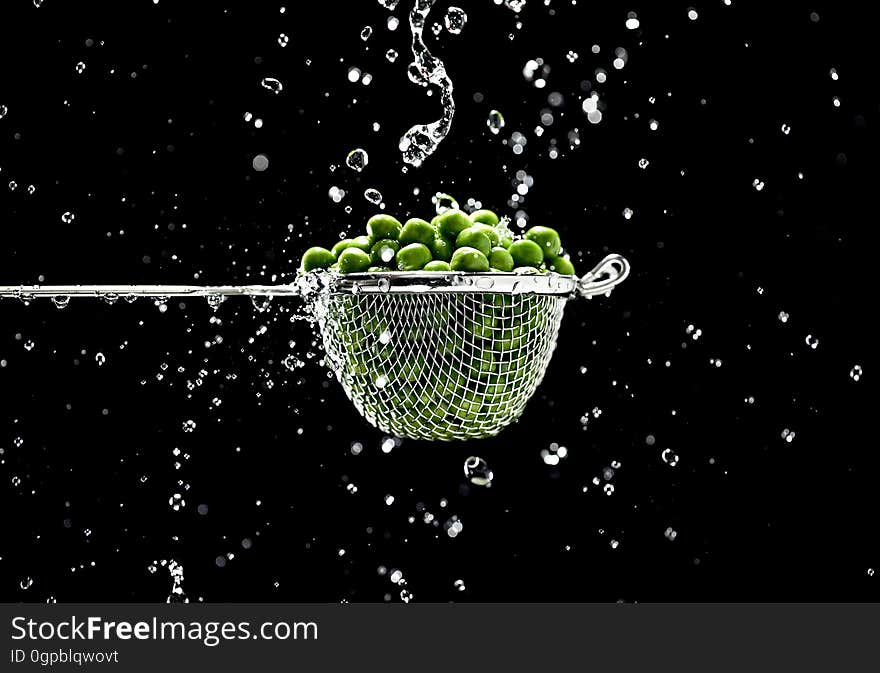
451	241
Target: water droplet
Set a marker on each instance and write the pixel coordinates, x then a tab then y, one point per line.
260	163
373	195
669	457
357	160
381	381
670	534
80	68
261	302
783	317
515	6
189	425
60	300
455	20
68	217
366	32
788	435
176	502
214	301
459	584
28	582
627	213
443	202
786	129
272	84
3	111
100	358
856	372
495	122
283	40
389	4
643	163
477	471
812	342
384	284
758	184
391	55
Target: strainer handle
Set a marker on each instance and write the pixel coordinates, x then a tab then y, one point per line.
605	275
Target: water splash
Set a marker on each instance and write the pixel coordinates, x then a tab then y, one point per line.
426	69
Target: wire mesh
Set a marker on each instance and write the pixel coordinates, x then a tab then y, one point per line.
440	366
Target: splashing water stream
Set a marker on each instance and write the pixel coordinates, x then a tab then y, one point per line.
422	139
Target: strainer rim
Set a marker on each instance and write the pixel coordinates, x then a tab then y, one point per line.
453	282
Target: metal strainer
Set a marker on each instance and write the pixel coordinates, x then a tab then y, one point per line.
422	355
443	356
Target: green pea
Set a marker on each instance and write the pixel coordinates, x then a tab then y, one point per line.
364	243
442	248
469	259
474	238
437	265
417	230
506	241
378	269
384	251
317	258
561	265
500	259
339	247
547	239
526	253
490	232
383	226
484	216
413	257
451	223
353	260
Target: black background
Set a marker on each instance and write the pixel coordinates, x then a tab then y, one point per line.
150	140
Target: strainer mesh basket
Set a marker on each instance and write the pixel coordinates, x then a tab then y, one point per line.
444	356
440	365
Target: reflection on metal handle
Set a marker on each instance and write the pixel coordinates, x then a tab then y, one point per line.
601	280
28	292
